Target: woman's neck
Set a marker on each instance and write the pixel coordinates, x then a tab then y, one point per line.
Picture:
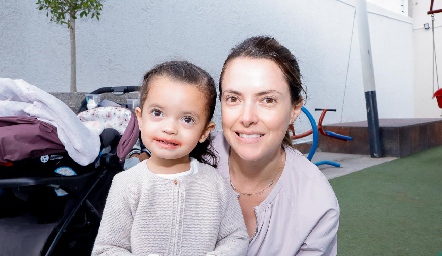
256	171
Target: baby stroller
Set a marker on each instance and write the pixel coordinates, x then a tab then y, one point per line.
51	198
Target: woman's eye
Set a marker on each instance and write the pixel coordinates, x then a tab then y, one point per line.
156	113
269	100
188	120
231	99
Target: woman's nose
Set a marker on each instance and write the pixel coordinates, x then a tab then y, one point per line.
249	115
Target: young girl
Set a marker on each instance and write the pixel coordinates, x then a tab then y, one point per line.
174	203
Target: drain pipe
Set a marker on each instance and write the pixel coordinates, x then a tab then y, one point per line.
368	78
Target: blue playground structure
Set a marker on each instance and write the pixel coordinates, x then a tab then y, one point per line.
315	131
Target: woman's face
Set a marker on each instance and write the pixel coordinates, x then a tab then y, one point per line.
256	107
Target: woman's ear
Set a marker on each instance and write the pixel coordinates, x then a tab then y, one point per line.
296	111
206	132
138	114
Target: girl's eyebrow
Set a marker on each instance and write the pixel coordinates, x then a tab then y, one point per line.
154	105
190	113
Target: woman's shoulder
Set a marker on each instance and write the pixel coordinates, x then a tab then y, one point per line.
304	177
301	166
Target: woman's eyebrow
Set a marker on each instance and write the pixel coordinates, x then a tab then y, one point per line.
232	92
257	94
267	92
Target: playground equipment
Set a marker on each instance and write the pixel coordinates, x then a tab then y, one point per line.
316	129
437	93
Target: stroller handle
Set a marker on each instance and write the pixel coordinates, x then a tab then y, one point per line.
120	90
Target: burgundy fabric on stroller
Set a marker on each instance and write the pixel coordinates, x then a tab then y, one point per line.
27	137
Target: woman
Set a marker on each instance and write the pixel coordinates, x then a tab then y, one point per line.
288	205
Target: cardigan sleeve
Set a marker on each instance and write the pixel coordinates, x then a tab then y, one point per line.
114	233
233	238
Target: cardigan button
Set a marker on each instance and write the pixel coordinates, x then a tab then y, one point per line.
175	182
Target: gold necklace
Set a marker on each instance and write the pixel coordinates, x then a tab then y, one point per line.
264	189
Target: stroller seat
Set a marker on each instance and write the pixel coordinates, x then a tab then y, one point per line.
50	204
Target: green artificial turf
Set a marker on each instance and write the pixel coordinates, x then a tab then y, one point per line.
392	209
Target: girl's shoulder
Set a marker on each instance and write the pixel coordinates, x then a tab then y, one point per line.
133	174
209	171
208	176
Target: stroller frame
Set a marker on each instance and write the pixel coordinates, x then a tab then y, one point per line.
78	187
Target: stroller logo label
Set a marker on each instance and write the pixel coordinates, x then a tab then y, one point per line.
44	159
55	157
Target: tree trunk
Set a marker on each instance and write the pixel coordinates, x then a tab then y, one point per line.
73	54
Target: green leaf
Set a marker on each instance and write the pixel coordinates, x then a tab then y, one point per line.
56	10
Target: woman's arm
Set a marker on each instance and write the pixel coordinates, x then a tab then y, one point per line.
114	233
322	240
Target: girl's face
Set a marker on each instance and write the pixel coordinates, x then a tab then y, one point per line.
173	119
256	107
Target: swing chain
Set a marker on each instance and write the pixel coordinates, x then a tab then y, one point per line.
435	71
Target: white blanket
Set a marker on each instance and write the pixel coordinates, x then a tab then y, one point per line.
19	98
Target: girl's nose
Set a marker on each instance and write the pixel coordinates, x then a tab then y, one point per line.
169	127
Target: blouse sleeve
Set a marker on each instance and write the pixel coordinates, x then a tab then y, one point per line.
322	240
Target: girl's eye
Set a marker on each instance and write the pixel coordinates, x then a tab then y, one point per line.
188	120
156	112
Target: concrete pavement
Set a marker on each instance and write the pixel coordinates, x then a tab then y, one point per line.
349	163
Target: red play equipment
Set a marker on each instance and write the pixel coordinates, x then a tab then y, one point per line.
431	11
438	95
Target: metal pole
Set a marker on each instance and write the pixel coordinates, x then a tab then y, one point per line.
368	78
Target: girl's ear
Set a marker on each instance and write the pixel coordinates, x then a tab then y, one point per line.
206	132
138	114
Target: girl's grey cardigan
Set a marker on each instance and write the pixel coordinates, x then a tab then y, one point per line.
146	214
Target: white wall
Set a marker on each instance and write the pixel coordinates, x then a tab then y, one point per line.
425	106
397	6
132	36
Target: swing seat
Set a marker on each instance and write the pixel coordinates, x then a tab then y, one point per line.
438	95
